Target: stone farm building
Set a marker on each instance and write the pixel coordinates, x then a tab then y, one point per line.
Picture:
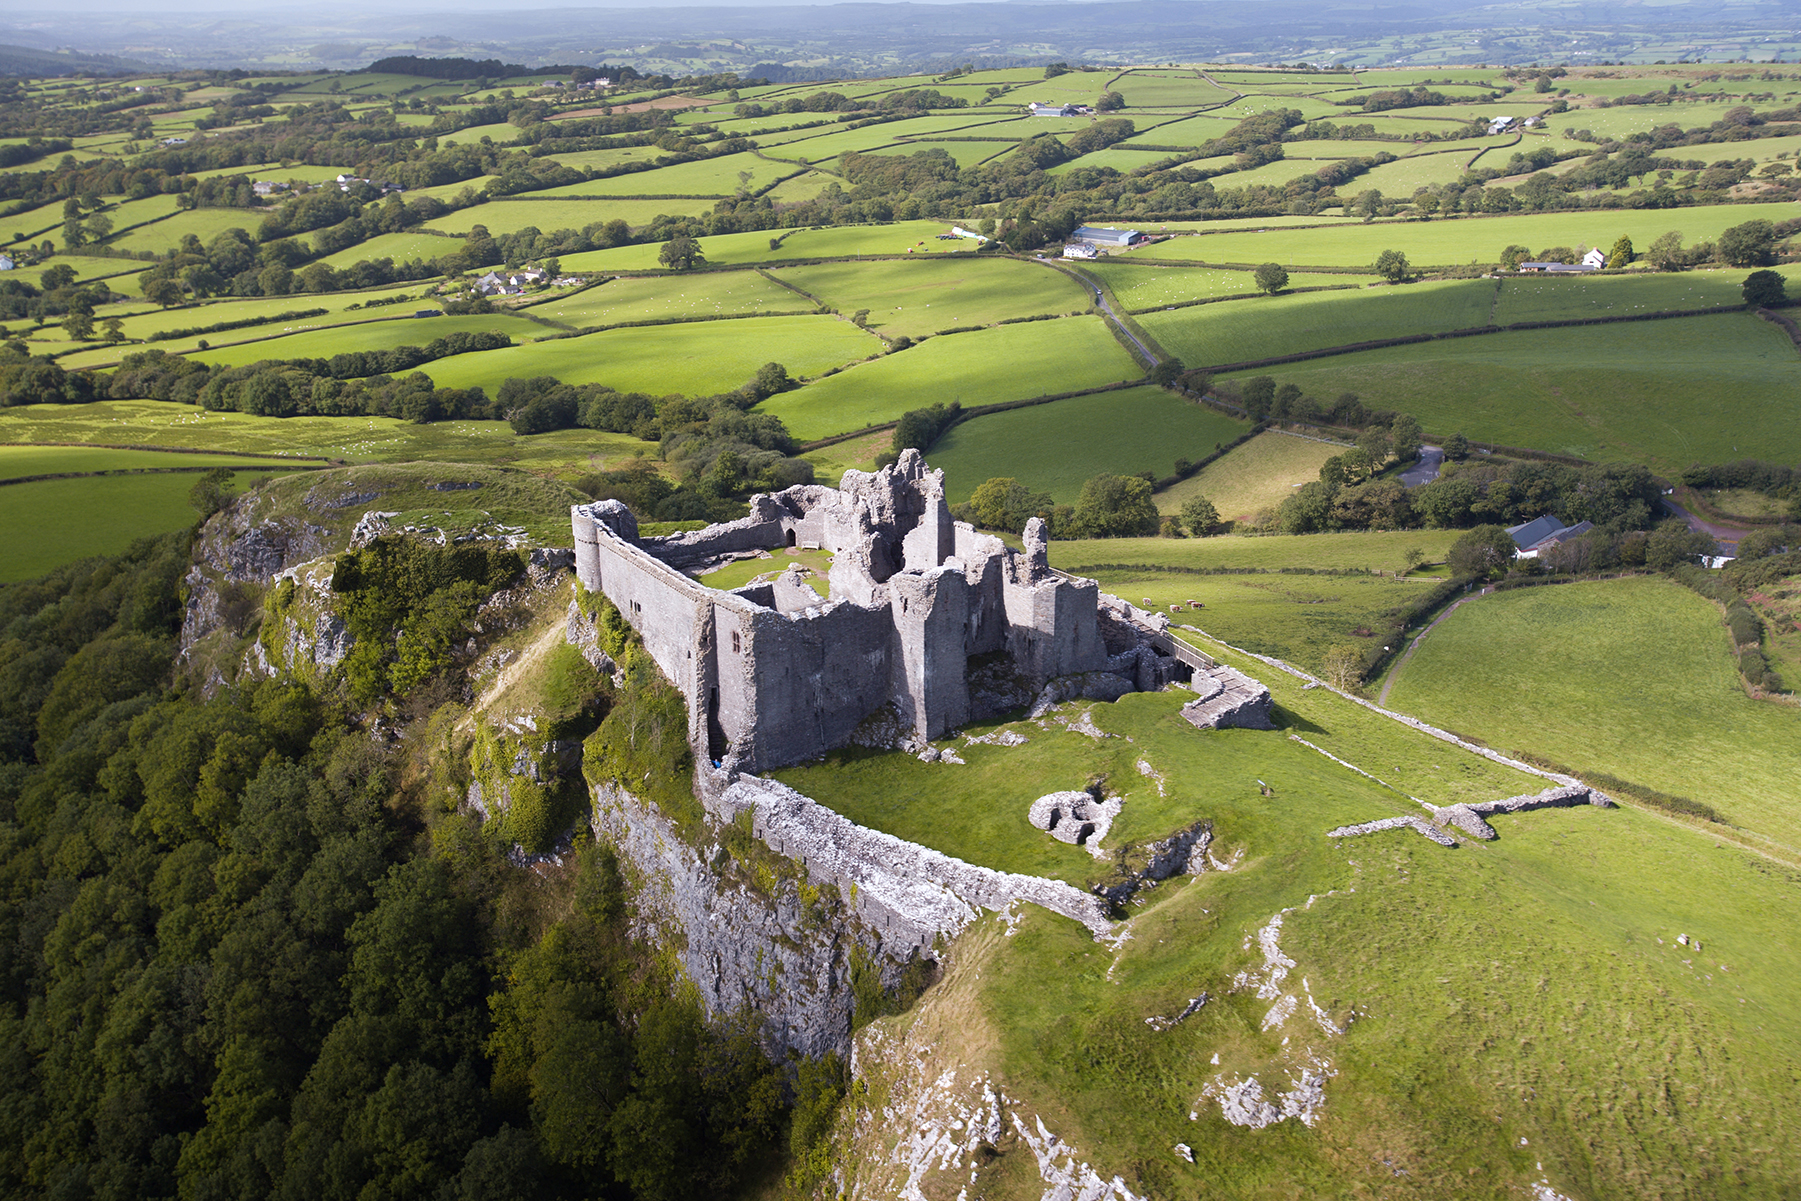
928	624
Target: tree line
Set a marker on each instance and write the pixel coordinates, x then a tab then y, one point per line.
250	953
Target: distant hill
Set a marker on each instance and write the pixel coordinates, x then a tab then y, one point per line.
23	60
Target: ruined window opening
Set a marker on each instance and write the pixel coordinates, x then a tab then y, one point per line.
734	642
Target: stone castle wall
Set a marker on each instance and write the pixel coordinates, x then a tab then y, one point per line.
775	674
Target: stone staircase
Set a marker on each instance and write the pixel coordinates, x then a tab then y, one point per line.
1228	699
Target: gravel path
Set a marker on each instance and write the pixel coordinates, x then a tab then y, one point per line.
1417	639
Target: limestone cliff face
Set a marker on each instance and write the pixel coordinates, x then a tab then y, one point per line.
237	554
777	950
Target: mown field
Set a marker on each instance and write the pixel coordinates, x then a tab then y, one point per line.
1251	478
697	358
51	522
918	298
1267	326
353	439
1669	393
662	298
1628	676
373	334
1056	447
1465	239
987	366
17	461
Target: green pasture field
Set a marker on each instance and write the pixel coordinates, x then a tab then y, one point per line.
447	191
696	359
1465	239
670	296
591	159
1622	120
401	247
1404	176
839	241
89	269
925	296
1173	89
353	439
205	224
1122	159
708	177
501	134
1146	286
1056	447
1252	104
1667	393
1764	150
825	147
804	186
1551	298
18	461
383	333
1259	475
151	321
510	216
966	154
51	522
1269	175
1644	688
1008	362
1194	131
1355	550
1267	326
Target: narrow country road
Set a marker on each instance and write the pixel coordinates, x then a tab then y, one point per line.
1426	469
1725	537
1101	300
1395	671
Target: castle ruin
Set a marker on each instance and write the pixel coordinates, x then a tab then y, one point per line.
774	673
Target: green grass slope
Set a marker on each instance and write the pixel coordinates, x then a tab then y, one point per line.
698	358
51	522
1056	447
1510	1014
915	298
1268	326
1669	393
1630	677
1010	362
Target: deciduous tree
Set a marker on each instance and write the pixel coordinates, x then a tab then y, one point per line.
1272	277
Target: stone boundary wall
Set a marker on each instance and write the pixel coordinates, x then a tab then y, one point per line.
1442	735
912	894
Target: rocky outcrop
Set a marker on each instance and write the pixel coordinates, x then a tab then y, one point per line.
1228	699
1184	853
235	548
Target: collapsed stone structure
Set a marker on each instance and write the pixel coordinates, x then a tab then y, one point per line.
774	673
